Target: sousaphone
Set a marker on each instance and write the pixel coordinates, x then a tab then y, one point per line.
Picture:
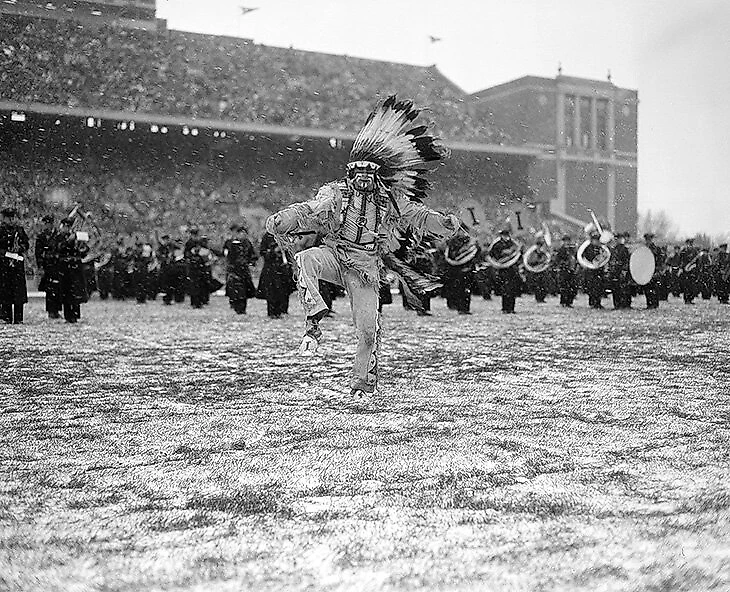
529	255
511	257
601	261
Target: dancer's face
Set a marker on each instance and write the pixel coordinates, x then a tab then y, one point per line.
364	181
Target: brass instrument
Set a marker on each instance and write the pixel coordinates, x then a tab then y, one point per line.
508	260
539	267
599	262
606	236
545	265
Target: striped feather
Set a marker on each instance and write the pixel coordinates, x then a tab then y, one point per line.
405	152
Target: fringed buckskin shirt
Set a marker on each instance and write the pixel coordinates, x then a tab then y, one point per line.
358	227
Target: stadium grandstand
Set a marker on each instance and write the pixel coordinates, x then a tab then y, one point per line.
151	128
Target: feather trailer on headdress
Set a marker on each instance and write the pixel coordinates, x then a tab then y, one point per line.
405	152
415	284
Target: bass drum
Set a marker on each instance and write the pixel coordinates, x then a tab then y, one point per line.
641	265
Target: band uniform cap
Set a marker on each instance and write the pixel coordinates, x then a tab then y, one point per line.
565	237
595	235
505	231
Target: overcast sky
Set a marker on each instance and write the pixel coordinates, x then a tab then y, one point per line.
676	53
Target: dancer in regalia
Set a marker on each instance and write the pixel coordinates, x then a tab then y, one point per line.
358	216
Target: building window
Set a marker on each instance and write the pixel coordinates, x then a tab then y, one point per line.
602	124
584	137
569	126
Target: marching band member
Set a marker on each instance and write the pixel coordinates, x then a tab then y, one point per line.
651	290
14	244
240	255
276	282
47	260
619	275
539	256
74	291
508	278
172	271
704	274
722	274
460	255
567	265
142	254
594	277
688	270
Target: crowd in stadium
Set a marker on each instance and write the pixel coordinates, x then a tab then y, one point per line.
71	64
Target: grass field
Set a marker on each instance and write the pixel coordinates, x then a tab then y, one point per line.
166	448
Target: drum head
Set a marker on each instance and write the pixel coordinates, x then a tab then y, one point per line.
641	265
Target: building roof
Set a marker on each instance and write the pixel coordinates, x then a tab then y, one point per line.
542	83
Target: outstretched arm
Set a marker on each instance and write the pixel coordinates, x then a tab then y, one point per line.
425	220
304	216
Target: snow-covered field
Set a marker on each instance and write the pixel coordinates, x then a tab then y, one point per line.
166	448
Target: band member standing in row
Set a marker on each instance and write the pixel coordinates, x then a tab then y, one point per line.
594	278
567	263
46	258
688	270
73	283
461	255
704	274
240	255
722	274
172	270
195	264
276	282
508	278
538	280
651	290
141	262
14	244
619	273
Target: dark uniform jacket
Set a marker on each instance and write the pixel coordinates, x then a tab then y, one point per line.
276	274
13	240
509	278
240	254
73	281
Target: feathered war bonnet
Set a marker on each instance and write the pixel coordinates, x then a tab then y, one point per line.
403	152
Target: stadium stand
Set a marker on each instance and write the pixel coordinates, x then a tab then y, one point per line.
72	64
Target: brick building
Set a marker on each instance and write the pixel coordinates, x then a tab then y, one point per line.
582	135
